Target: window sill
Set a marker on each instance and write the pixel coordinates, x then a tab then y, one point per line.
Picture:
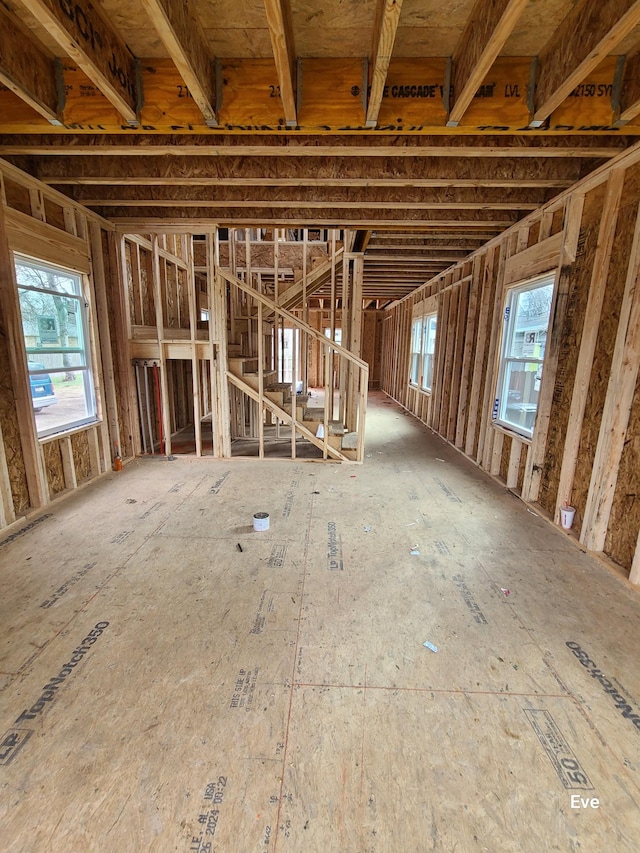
525	439
66	433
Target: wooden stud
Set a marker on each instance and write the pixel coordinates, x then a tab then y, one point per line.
615	416
590	326
11	327
282	44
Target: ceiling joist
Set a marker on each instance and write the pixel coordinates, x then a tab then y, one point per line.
85	34
28	71
385	27
591	30
182	35
282	44
487	30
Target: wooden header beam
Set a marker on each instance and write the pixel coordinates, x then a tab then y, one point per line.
87	37
589	33
184	39
488	28
28	71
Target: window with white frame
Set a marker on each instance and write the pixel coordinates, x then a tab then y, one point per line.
423	345
524	340
55	328
428	350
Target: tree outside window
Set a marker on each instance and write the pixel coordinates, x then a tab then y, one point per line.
54	324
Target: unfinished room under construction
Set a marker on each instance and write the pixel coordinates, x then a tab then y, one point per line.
319	426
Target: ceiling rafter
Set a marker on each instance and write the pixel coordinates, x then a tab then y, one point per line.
487	30
384	35
629	106
185	42
84	33
591	30
26	69
220	146
283	46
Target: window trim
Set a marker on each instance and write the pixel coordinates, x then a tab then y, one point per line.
422	320
506	339
86	367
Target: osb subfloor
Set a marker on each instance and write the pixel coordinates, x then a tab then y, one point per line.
280	698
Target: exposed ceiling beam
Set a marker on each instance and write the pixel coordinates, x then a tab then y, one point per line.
83	32
282	45
306	181
486	32
309	204
182	35
630	94
589	33
384	35
220	146
30	73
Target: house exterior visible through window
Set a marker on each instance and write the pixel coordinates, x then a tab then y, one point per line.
524	340
423	345
54	324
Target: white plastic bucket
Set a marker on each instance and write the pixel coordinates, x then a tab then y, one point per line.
261	521
566	516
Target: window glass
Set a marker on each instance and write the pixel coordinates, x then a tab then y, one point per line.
526	322
416	349
428	350
54	324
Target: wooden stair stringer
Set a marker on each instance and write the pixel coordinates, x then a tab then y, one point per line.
285	417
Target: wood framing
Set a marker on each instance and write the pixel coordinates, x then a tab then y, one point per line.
384	34
179	28
28	71
488	28
281	31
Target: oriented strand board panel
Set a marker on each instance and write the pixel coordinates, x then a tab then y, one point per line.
81	455
580	276
603	355
624	523
11	434
53	467
161	684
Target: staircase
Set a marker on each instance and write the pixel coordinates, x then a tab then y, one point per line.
255	376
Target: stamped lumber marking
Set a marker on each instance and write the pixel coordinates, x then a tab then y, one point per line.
219	483
451	495
25	529
156	506
209	815
16	738
469	600
244	688
66	586
560	754
335	562
277	556
620	700
12	743
120	537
